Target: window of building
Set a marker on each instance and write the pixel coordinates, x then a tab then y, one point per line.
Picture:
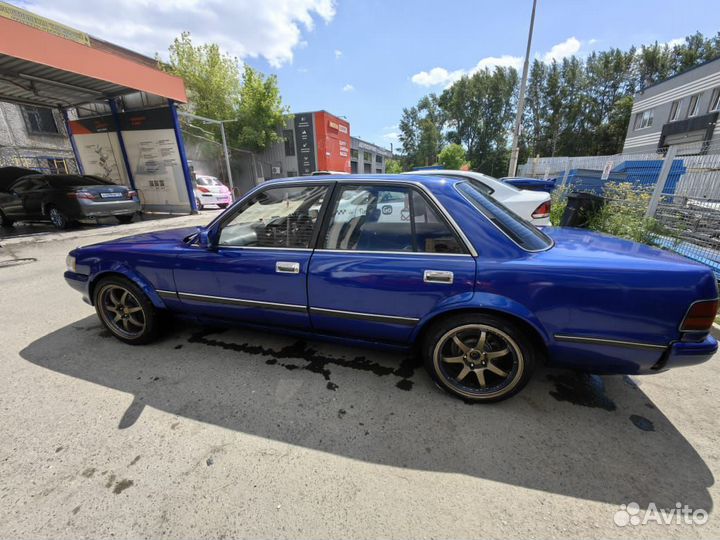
674	110
715	100
378	158
378	171
694	106
39	120
644	119
353	167
354	153
367	157
367	168
283	217
289	137
58	166
387	218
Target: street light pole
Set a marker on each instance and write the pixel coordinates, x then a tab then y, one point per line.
521	99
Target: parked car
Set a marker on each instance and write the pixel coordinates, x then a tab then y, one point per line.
211	191
533	206
532	184
483	295
63	199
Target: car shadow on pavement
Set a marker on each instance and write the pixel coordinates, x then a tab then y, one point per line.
593	438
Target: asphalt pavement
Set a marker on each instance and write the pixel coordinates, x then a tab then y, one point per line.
222	433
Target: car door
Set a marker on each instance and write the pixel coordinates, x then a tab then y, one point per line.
14	205
34	196
374	276
257	270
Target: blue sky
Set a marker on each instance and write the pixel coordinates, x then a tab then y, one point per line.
367	59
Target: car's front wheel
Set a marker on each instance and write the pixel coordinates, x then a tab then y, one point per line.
126	311
223	205
5	221
478	357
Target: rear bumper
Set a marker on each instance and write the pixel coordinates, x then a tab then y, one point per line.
94	209
214	198
683	353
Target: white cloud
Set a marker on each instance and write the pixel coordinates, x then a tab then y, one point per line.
338	54
437	76
270	29
440	76
562	50
348	88
675	42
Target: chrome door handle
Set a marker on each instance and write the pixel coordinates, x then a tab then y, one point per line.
287	267
438	276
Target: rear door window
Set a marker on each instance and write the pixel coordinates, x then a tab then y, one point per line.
387	218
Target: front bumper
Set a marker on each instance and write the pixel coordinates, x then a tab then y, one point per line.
214	198
79	282
687	353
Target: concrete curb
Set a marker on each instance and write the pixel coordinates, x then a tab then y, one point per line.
715	331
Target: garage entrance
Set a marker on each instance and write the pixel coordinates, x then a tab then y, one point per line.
120	109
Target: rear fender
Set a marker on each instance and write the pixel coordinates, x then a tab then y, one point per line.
482	301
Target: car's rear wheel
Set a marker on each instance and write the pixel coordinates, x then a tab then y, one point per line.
5	221
58	219
126	218
199	204
126	311
478	357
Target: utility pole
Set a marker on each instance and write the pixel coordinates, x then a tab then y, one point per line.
521	99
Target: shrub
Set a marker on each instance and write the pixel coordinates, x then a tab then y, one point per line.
623	214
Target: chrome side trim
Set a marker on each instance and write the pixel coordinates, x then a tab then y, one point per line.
240	302
261	248
368	252
172	295
391	319
610	342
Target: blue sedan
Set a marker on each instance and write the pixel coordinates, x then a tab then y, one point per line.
430	263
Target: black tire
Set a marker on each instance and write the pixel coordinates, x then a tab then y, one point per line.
461	371
223	206
5	221
125	219
59	220
199	204
130	325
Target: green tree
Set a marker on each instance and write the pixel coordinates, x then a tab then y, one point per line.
392	166
421	132
212	79
452	157
261	114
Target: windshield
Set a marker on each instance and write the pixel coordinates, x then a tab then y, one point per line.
521	232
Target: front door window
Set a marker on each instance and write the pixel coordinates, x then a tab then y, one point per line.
283	217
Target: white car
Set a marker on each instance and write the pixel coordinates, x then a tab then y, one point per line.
211	191
534	206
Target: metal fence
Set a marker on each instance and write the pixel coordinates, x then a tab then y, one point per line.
677	190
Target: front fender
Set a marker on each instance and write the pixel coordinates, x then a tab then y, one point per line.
486	302
127	272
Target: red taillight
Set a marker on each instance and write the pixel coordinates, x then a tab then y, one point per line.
700	316
542	211
80	195
131	194
203	189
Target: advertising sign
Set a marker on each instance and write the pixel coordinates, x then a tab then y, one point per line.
305	137
154	157
98	147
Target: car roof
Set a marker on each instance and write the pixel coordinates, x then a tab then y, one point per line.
429	181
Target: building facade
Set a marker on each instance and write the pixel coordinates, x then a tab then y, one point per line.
367	158
35	137
682	110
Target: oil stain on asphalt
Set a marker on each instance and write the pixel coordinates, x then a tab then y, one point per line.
581	389
315	362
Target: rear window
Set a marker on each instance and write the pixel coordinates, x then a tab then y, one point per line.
521	232
77	181
207	181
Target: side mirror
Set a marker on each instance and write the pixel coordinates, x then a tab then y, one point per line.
205	239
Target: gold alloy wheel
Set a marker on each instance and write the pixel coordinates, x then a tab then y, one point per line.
478	361
121	311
